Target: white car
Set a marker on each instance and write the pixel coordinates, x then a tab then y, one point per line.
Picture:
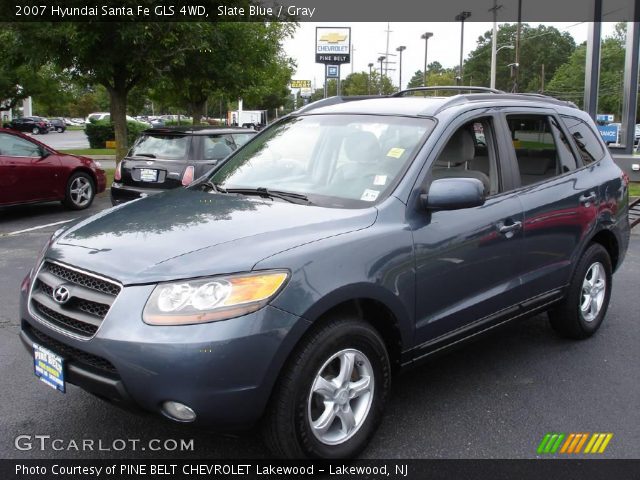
97	116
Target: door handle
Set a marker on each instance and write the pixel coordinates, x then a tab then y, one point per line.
584	199
502	228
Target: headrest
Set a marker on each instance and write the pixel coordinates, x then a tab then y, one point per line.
362	147
459	150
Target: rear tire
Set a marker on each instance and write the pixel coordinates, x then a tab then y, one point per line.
59	130
331	394
80	191
582	311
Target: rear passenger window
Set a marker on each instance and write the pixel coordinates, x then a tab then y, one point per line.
542	150
586	140
217	147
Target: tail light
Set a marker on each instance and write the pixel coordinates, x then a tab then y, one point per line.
187	178
625	179
42	124
118	173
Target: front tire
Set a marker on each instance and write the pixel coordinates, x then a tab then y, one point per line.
35	130
80	191
581	313
59	130
331	394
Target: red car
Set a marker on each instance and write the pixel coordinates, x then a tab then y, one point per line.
33	172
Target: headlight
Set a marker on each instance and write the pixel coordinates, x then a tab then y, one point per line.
211	299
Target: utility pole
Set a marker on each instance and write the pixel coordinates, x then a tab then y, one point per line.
425	36
461	17
386	54
381	59
369	82
517	62
494	42
542	79
353	56
400	49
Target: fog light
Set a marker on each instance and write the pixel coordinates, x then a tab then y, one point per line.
178	412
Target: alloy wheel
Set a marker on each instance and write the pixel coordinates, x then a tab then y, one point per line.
594	288
80	191
341	396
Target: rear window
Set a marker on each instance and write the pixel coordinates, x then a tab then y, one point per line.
171	147
586	140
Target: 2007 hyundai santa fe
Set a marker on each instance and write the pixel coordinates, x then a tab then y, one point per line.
285	287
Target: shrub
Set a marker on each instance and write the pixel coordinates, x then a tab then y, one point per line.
100	132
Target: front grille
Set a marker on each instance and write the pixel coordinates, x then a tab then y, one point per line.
71	354
89	299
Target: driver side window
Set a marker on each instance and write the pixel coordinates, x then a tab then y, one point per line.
470	153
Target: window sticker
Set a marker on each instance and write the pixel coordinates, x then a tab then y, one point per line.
370	195
395	152
380	180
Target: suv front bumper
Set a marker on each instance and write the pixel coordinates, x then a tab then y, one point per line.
224	370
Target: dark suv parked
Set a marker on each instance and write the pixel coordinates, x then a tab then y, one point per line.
166	157
345	240
33	125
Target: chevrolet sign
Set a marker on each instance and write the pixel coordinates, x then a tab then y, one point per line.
333	45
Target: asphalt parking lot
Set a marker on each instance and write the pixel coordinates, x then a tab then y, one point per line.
495	398
69	139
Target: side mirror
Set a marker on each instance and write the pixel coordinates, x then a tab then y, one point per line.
453	194
44	153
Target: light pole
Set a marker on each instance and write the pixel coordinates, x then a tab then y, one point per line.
369	83
426	36
461	17
494	62
381	59
400	49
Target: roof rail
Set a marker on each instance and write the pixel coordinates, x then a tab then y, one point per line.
325	102
532	97
446	88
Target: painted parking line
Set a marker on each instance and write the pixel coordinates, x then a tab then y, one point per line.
17	232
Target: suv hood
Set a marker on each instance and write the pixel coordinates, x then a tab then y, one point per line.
189	233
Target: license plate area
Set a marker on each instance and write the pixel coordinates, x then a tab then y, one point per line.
148	175
48	367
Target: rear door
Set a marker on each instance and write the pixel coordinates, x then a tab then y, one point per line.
560	202
157	161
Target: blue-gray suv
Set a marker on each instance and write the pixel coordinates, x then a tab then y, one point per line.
358	235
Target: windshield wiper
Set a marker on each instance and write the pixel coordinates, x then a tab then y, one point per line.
291	197
216	187
150	155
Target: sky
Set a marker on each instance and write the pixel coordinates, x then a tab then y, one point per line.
369	41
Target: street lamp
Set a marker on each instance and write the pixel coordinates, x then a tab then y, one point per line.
369	83
381	59
426	36
400	49
461	17
493	63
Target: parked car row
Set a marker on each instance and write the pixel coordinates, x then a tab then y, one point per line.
37	125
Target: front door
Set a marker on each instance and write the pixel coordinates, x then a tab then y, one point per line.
467	260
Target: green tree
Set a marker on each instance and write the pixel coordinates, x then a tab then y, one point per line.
358	83
116	55
541	45
568	81
234	59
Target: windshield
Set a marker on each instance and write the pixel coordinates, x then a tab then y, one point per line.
170	147
335	160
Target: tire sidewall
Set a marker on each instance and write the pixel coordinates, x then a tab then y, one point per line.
595	253
348	335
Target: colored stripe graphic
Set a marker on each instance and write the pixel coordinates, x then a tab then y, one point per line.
573	443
